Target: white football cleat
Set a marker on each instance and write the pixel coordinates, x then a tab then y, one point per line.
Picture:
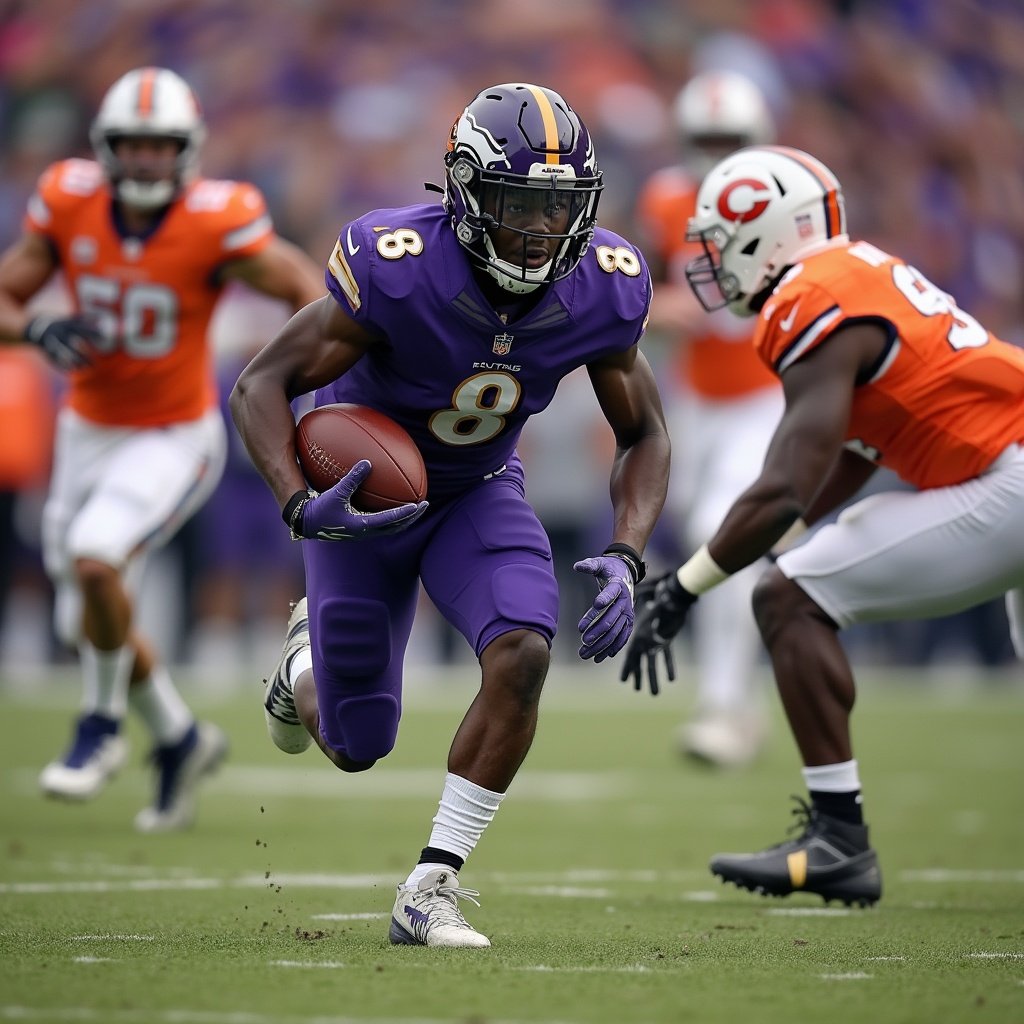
723	739
429	915
283	724
97	754
180	767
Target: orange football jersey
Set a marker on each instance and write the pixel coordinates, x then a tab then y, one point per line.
947	398
152	297
718	362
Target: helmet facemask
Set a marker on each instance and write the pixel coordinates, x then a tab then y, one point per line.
497	201
139	192
713	286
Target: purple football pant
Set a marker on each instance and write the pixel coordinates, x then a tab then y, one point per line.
485	562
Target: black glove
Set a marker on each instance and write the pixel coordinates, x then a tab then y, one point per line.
67	341
661	609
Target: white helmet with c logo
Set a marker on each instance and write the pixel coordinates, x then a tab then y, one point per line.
760	211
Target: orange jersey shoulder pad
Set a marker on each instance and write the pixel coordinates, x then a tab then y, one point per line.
61	186
946	397
232	214
814	299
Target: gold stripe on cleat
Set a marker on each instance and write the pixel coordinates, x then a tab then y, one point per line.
797	864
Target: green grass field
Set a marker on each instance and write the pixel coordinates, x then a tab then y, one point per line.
593	878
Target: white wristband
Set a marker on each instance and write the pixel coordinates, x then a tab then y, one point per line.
701	572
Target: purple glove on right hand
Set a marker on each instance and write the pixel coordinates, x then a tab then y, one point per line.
606	626
330	516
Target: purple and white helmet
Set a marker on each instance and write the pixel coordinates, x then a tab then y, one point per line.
520	137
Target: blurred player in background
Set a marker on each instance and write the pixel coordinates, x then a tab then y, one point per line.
26	427
458	320
879	368
723	407
145	247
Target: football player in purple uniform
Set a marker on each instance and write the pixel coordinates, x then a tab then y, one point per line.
458	319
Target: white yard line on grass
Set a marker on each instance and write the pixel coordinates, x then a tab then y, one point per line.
563	891
953	875
572	884
330	964
548	881
806	912
348	917
183	1016
546	969
391	784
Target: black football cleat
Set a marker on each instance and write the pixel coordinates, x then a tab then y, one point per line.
830	857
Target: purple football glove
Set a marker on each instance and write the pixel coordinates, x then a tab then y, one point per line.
330	516
605	628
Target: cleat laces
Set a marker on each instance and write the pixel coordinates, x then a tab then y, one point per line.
440	909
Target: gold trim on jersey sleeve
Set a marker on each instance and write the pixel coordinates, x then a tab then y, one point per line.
342	273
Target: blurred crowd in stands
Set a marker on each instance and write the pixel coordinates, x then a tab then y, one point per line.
334	107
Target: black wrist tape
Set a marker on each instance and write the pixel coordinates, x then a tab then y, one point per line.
631	557
293	507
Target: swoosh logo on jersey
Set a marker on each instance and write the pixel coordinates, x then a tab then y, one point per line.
352	249
788	322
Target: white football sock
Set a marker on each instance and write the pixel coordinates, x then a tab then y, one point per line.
464	812
833	778
157	702
301	661
105	680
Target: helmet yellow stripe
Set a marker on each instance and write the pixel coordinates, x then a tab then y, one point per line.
547	113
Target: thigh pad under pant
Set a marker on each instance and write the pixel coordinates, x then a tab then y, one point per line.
358	682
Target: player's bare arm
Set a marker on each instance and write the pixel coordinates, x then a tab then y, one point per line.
849	474
316	346
819	391
281	270
25	267
628	395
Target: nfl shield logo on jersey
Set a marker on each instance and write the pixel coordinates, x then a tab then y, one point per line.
502	344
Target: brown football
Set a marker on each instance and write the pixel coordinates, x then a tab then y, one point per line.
330	440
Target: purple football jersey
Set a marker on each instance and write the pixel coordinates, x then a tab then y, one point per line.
458	378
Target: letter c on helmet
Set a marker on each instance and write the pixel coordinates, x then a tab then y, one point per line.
747	204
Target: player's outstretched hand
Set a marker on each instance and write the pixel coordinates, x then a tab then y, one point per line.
662	605
330	516
69	342
605	628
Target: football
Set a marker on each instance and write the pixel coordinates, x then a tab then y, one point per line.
330	440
